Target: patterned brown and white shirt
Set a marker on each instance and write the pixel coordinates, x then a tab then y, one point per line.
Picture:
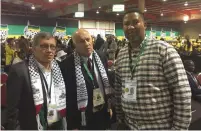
163	92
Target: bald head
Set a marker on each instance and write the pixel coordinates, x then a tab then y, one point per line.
83	42
79	33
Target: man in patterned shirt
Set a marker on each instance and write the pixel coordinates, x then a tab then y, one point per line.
152	90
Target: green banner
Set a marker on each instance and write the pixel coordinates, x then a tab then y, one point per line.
3	33
16	31
4	27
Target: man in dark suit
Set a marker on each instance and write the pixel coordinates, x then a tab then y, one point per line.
193	82
99	42
87	85
36	89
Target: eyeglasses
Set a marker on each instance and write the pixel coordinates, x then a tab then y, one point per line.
46	47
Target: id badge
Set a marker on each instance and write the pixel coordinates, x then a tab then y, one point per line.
129	92
52	115
97	97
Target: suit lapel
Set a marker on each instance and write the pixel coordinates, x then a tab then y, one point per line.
27	76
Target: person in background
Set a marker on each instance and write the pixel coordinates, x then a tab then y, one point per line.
99	42
93	39
162	39
58	43
194	84
179	45
87	85
152	90
24	51
116	40
60	47
70	48
61	55
22	37
188	47
9	50
36	95
3	55
109	47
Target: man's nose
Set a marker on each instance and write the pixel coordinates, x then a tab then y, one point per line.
49	49
131	27
87	43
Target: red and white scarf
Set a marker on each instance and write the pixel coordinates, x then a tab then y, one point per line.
59	88
82	96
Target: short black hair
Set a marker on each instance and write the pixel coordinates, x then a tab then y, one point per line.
9	40
133	11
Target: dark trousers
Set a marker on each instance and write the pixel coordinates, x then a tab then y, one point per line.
98	121
56	126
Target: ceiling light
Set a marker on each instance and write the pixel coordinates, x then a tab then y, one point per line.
162	14
79	14
186	3
33	7
99	7
97	12
145	10
186	18
117	13
118	8
50	0
164	0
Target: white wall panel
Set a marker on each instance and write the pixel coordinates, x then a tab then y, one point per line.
87	24
98	27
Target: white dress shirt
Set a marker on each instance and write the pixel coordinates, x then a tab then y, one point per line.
97	75
47	74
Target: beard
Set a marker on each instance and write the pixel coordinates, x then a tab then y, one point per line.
134	38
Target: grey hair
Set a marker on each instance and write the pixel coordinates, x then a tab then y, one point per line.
39	36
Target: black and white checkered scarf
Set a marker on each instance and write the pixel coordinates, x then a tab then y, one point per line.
82	96
59	87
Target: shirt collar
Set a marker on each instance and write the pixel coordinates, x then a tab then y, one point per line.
42	68
86	58
91	56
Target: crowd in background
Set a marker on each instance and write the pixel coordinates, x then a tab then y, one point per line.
17	50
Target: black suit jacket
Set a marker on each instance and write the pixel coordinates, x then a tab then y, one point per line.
73	114
20	103
196	92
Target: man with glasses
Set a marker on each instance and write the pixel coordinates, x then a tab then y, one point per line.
152	90
36	89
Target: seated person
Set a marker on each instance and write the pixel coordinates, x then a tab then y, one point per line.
195	87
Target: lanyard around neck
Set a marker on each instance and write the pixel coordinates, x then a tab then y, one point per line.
46	85
88	72
133	67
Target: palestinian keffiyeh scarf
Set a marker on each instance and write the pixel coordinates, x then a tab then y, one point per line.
82	96
59	88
